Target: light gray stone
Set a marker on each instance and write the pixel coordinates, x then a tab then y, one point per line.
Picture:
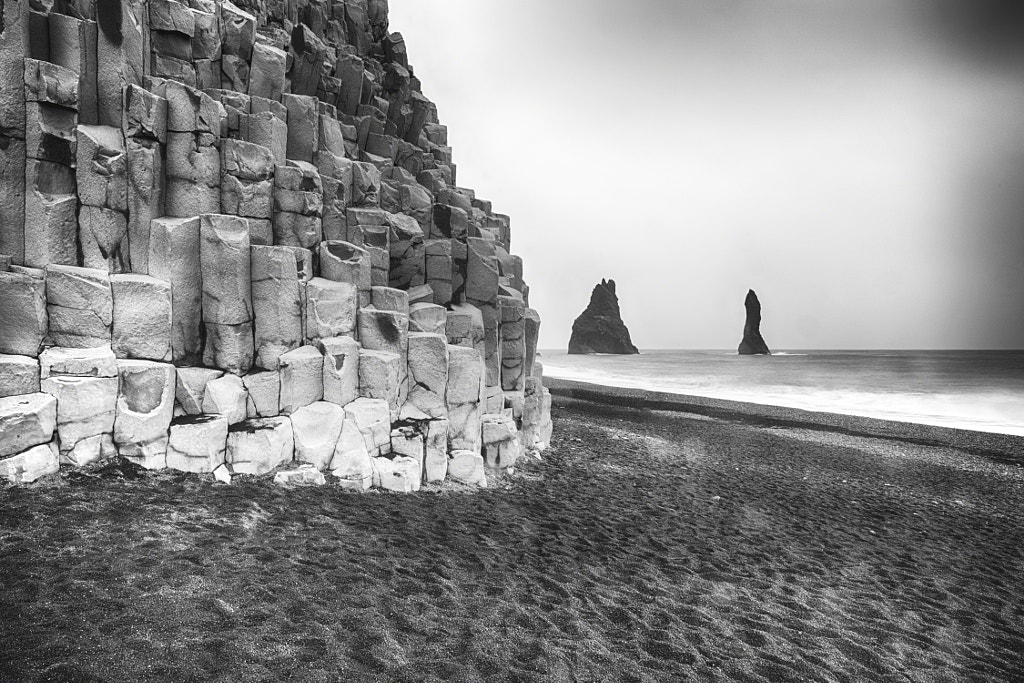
302	378
190	389
30	465
103	238
174	256
428	377
85	416
145	406
227	298
500	441
303	475
400	475
145	198
20	375
98	361
317	428
26	421
264	393
23	311
435	445
428	317
142	317
372	417
197	443
341	369
351	463
467	467
261	445
80	306
226	395
277	304
381	377
330	309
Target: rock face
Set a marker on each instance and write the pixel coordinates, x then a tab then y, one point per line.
600	329
753	344
232	240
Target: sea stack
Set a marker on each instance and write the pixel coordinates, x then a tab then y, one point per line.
600	329
753	343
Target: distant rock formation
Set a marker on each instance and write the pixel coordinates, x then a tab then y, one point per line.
753	343
600	329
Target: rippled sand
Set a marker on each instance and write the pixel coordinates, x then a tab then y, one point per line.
646	546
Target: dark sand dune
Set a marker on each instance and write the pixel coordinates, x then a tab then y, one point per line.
646	547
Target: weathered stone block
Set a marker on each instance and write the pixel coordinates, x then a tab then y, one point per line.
73	45
317	428
341	369
259	446
247	187
264	393
390	299
102	167
427	317
500	441
190	388
145	198
121	55
401	474
303	475
80	306
302	378
26	421
23	311
330	309
19	375
467	467
435	451
384	331
142	317
50	133
227	300
345	262
267	71
145	406
85	416
174	257
381	376
351	463
94	362
30	465
372	417
428	377
277	303
303	126
226	395
197	443
145	114
103	238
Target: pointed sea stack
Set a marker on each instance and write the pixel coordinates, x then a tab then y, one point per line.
600	329
753	343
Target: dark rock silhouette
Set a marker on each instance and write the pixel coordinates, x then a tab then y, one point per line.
600	329
753	343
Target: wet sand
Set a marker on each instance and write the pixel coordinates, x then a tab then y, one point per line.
646	546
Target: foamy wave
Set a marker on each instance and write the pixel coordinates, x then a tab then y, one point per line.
996	412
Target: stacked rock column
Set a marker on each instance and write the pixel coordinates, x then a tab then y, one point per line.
231	239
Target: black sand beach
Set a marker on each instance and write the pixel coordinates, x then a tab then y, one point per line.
646	546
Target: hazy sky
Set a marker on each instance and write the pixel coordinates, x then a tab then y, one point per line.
859	163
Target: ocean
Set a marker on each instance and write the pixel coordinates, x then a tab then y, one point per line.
977	390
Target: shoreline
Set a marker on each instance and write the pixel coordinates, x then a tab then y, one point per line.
1005	447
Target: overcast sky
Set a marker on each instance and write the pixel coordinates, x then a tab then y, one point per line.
859	163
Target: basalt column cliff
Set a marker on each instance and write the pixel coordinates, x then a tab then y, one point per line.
233	242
